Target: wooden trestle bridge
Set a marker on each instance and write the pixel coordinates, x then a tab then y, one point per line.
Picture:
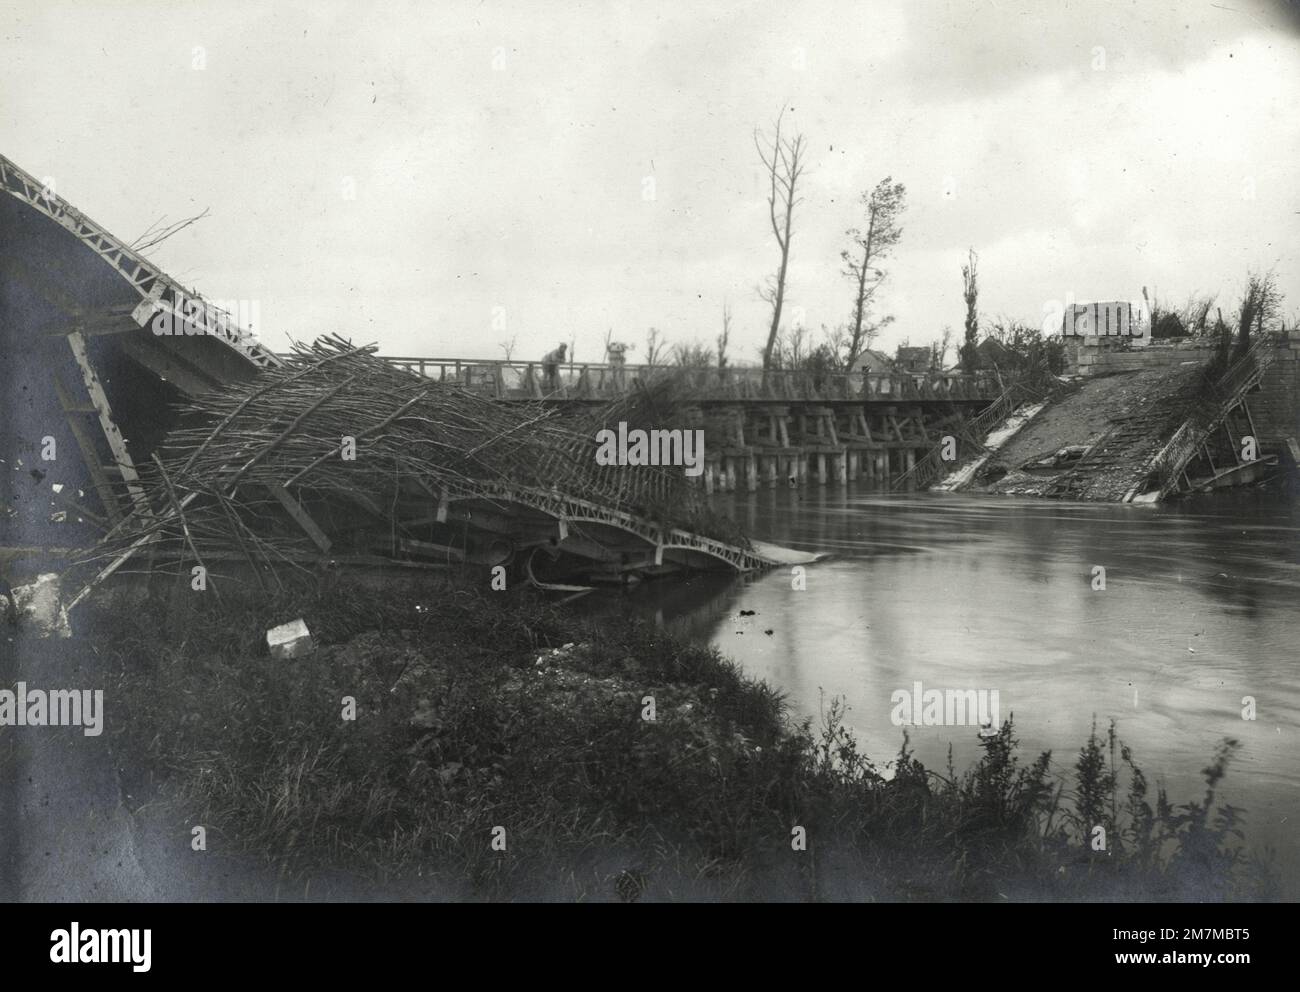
765	428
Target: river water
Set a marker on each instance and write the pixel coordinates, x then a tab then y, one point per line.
1199	610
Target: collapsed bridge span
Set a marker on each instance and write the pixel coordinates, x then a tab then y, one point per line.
96	402
337	455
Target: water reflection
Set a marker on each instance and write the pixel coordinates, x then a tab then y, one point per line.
1198	612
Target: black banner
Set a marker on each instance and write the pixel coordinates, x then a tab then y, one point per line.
140	943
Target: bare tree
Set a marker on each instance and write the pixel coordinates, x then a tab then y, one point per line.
693	355
1260	301
1222	346
1192	319
1196	314
837	340
508	347
784	164
724	336
655	346
941	349
790	351
970	293
883	206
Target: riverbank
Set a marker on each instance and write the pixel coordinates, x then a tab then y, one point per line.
505	749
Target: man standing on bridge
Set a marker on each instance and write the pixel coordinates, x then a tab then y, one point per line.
617	356
551	369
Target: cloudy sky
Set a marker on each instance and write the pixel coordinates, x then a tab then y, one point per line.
440	177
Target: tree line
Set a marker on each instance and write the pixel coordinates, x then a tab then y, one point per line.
1003	342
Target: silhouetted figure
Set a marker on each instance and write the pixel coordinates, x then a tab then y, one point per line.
617	357
551	369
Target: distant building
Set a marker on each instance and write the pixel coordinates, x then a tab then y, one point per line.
1101	320
872	360
914	360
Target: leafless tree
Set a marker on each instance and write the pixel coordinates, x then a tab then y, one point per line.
785	165
939	349
694	355
724	336
790	348
1192	319
1260	301
1196	314
883	205
508	347
655	346
970	293
837	343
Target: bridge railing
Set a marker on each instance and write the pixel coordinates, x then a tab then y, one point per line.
1222	396
932	467
598	380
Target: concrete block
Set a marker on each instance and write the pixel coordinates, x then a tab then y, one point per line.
289	640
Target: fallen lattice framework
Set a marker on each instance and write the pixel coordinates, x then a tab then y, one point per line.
339	451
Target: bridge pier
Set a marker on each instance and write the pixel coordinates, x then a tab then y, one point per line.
792	434
764	445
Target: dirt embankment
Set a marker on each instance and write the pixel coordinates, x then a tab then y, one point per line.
445	742
1078	420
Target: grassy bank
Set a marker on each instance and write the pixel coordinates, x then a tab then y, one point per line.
477	711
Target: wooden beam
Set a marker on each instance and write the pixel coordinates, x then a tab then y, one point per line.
123	558
163	363
1251	421
302	518
89	453
116	443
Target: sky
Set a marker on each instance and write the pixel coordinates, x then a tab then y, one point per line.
440	178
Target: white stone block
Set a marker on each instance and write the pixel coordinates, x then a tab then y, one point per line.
289	640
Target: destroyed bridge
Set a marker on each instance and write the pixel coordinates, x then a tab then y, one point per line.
120	445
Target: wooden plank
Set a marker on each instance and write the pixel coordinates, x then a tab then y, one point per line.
89	453
95	326
123	558
116	443
428	549
301	517
151	353
1251	421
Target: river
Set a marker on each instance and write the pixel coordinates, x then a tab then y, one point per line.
956	592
